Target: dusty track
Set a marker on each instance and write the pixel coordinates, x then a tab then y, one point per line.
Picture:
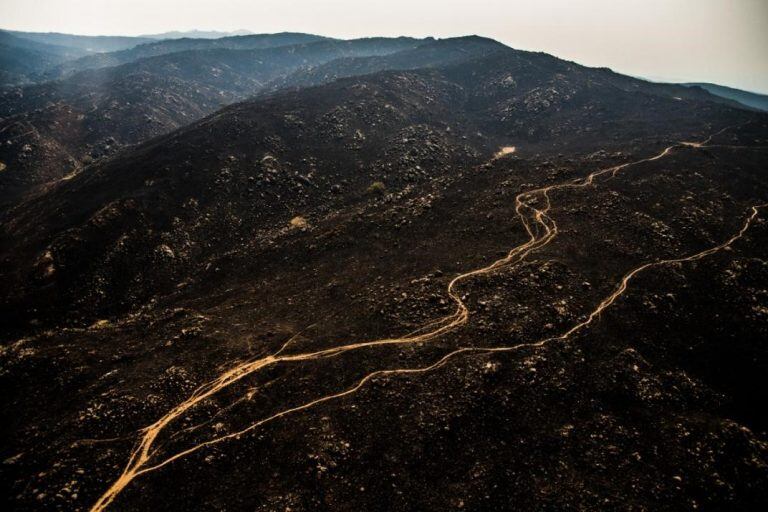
541	228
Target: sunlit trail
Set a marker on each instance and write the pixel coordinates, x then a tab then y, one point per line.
541	230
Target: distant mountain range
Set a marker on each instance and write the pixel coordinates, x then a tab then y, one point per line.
750	99
32	57
197	34
90	44
22	59
169	46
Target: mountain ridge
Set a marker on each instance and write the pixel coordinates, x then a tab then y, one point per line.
747	98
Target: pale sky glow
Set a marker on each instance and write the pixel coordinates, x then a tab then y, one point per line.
721	41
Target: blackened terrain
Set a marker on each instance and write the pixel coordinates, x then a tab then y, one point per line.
337	213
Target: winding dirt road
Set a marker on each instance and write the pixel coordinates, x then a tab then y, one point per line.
541	229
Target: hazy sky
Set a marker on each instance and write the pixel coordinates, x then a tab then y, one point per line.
722	41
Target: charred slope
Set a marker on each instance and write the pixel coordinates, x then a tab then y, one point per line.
629	413
240	171
543	98
55	129
489	58
203	191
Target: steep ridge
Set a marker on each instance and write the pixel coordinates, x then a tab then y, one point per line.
434	53
447	52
